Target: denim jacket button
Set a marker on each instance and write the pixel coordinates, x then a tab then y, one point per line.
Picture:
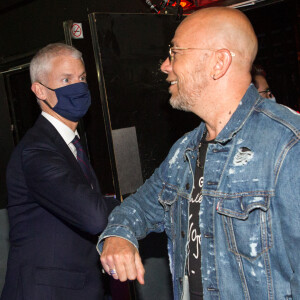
182	234
187	186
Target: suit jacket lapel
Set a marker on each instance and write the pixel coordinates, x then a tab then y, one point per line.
62	147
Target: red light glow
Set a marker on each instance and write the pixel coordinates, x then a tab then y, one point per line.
188	4
185	4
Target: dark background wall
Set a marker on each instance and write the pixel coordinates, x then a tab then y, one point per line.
277	29
26	26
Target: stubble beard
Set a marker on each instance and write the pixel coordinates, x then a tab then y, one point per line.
180	102
185	99
189	90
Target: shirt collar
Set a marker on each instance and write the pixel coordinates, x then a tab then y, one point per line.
66	132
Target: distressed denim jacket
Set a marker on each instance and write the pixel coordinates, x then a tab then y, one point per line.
250	213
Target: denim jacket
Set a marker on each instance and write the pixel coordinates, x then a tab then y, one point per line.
250	213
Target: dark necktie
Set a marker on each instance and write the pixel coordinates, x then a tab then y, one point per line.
83	160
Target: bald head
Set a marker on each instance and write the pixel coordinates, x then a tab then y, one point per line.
209	64
221	27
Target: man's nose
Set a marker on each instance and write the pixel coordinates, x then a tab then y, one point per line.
166	66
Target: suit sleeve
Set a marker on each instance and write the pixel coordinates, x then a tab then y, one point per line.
111	203
57	187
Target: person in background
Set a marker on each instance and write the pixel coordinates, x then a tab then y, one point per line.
228	193
260	82
55	205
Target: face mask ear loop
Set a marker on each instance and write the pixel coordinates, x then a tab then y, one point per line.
46	86
45	101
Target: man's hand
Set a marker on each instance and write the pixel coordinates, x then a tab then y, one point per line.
121	260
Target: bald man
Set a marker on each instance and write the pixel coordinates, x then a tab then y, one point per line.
227	195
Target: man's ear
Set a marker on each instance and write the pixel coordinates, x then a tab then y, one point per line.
39	91
223	58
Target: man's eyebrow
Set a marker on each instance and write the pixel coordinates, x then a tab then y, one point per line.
66	75
70	75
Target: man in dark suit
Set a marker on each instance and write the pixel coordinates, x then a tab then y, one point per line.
55	205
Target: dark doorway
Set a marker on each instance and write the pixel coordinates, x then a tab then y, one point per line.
19	111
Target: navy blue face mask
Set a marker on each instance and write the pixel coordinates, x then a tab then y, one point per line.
73	101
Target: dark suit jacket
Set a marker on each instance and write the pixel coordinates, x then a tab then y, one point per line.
54	217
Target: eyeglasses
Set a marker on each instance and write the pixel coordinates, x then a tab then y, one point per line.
267	92
172	51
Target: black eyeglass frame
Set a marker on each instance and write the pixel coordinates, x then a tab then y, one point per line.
267	92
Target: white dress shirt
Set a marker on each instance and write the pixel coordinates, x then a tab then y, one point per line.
66	132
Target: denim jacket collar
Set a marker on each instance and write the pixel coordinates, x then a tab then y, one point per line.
240	116
235	123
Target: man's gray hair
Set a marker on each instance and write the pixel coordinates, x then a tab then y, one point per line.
41	63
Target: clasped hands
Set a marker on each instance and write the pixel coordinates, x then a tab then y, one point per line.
121	260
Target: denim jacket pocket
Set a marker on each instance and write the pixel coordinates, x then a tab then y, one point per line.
167	197
247	224
170	200
175	204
